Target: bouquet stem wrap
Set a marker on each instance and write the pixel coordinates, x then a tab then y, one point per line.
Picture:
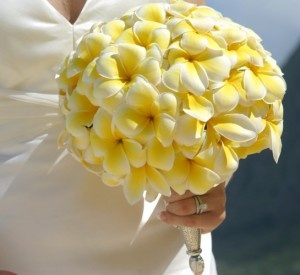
192	240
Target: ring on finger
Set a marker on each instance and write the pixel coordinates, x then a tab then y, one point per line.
200	205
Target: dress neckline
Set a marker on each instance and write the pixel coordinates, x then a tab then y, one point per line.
60	15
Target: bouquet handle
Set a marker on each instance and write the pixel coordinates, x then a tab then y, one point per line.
192	241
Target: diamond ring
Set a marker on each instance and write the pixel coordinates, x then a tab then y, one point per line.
200	205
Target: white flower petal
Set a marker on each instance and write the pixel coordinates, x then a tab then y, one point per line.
171	78
134	185
254	87
135	152
158	181
201	179
164	126
116	162
141	95
159	156
188	131
235	127
198	107
193	78
226	98
217	68
129	121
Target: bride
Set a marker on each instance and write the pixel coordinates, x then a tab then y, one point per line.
55	217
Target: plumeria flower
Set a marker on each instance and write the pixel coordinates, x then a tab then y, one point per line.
125	160
90	47
169	97
189	131
145	34
234	127
185	10
271	121
265	79
193	63
187	173
218	155
275	125
226	95
147	110
180	9
241	48
121	66
79	119
154	12
153	36
112	29
146	177
199	107
119	152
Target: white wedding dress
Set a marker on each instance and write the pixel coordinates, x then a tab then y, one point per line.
55	217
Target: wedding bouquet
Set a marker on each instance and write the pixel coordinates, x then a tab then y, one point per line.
169	96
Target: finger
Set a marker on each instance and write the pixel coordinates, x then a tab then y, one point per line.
207	221
215	198
186	207
175	197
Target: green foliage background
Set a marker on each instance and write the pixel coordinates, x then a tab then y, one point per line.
261	234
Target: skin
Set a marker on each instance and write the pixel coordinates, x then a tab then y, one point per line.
70	9
180	210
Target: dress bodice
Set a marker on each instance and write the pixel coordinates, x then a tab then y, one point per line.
35	36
